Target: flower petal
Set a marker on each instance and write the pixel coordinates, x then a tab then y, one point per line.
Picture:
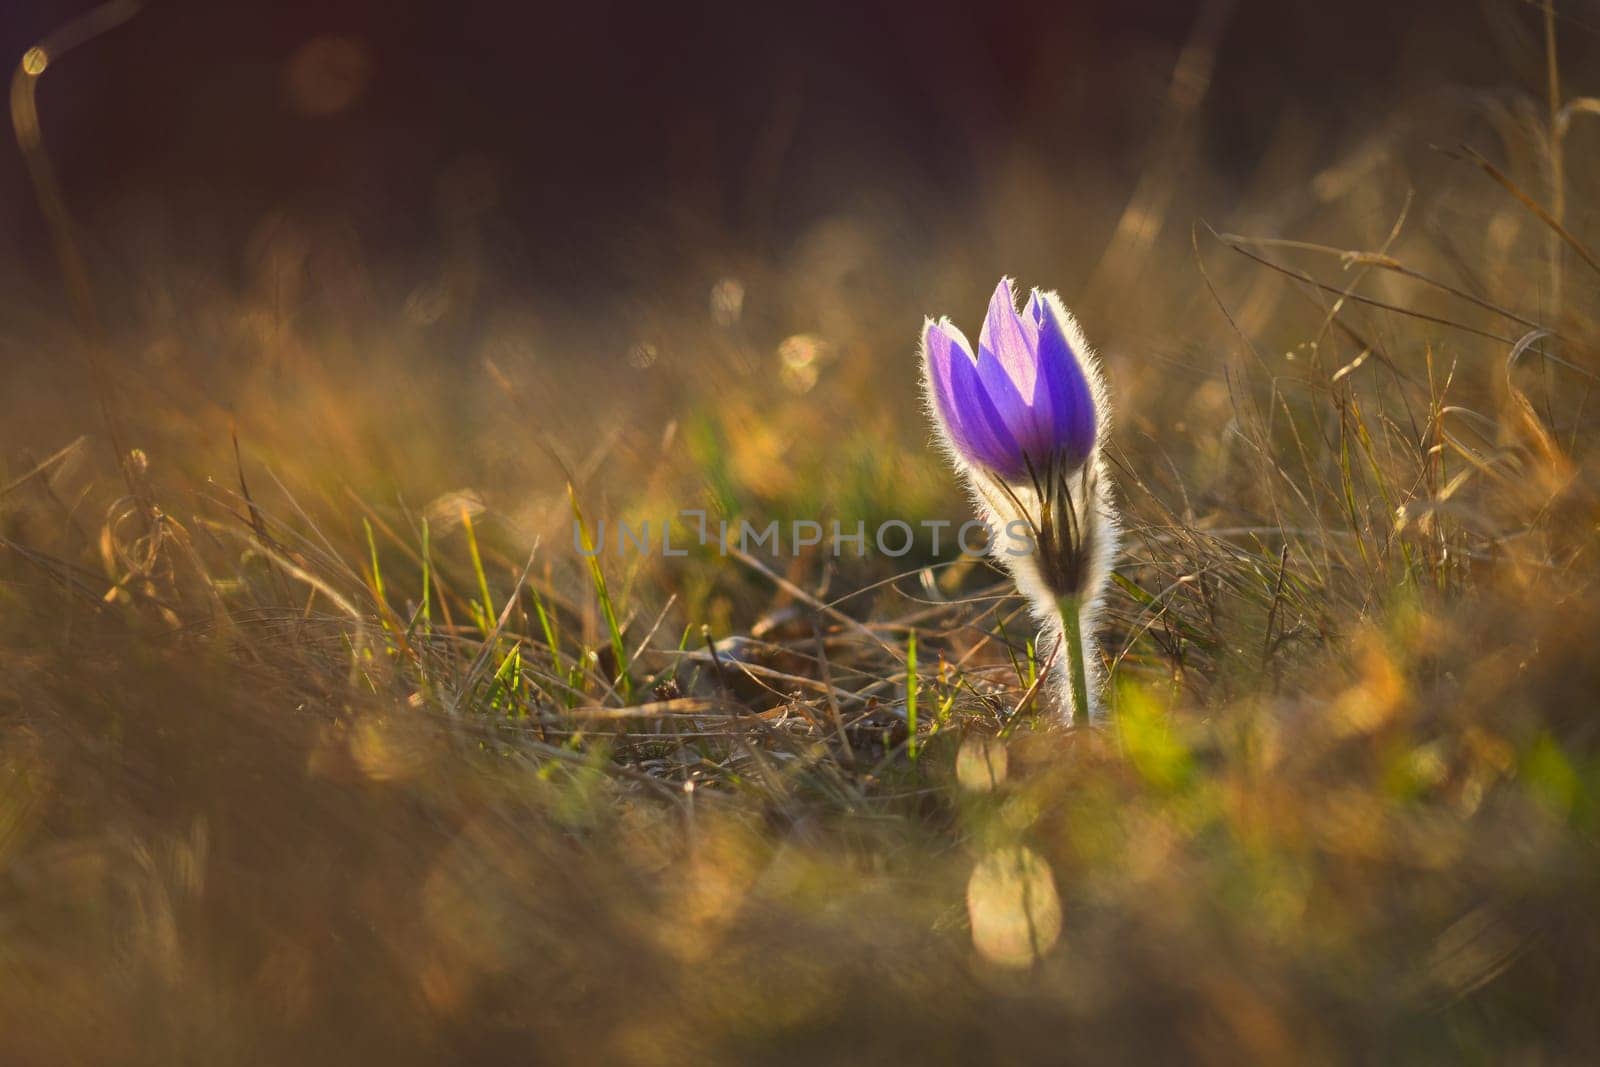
1008	363
1063	381
969	414
1035	311
1004	337
1011	409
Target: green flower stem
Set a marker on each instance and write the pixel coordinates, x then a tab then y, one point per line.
1072	637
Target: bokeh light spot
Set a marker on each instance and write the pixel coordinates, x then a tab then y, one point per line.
727	301
981	764
1013	907
798	360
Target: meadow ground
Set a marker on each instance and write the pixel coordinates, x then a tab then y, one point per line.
321	740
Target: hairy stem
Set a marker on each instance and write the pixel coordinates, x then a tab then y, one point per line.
1072	637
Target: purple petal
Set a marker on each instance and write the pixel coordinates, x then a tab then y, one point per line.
1036	309
1008	364
976	427
1061	378
1011	409
1004	338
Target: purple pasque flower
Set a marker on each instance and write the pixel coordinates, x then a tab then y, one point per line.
1025	421
1024	404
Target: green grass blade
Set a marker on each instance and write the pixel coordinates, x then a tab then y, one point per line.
484	609
912	685
597	575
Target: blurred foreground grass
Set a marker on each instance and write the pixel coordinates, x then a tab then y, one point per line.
320	740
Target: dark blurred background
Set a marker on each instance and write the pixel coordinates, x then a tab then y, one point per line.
603	136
